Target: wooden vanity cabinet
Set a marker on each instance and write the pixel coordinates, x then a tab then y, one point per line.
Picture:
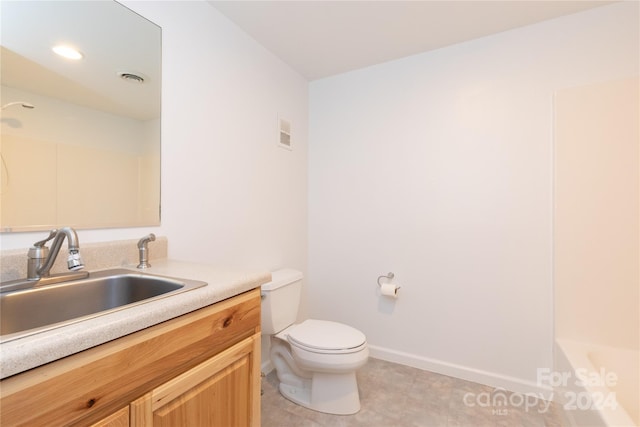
117	419
200	369
215	393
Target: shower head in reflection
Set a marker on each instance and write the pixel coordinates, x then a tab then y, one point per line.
21	103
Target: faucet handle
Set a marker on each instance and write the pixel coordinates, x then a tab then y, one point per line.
41	243
39	251
36	256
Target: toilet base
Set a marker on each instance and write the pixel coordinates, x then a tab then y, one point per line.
329	393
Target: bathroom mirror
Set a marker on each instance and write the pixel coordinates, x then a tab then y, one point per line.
80	138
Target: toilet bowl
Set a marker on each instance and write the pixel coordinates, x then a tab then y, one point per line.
315	360
316	363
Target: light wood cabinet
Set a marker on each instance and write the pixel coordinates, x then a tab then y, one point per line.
200	369
217	392
117	419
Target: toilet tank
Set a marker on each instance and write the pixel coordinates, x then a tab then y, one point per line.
280	300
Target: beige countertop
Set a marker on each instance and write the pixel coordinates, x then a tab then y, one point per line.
31	351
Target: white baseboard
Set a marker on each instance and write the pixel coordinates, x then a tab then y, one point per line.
458	371
266	367
445	368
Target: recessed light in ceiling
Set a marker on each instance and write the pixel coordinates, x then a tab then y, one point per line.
67	52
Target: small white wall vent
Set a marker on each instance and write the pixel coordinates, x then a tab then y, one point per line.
284	133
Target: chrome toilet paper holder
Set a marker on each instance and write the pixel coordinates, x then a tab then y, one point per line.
388	276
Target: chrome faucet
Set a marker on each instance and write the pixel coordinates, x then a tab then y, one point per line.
41	259
143	249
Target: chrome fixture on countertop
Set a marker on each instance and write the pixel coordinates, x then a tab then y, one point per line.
143	248
41	259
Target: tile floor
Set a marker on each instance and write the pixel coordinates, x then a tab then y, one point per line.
394	395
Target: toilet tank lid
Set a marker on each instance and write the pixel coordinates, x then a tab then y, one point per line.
281	278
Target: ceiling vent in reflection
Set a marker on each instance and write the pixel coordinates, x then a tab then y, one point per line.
284	130
131	77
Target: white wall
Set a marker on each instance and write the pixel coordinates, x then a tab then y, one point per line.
438	167
230	196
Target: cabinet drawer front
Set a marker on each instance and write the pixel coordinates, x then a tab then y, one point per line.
88	386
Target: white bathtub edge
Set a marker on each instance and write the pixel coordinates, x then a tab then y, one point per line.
569	356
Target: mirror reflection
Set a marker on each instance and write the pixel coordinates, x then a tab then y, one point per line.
80	135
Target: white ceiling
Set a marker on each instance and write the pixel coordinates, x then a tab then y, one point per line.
322	38
112	38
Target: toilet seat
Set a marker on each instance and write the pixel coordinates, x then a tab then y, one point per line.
323	336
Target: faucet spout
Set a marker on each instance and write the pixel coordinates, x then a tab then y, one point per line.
42	268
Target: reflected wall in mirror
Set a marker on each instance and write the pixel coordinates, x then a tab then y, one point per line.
80	139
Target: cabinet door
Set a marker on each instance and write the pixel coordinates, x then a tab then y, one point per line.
117	419
223	391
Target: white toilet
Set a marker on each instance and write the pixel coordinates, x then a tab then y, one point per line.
316	360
